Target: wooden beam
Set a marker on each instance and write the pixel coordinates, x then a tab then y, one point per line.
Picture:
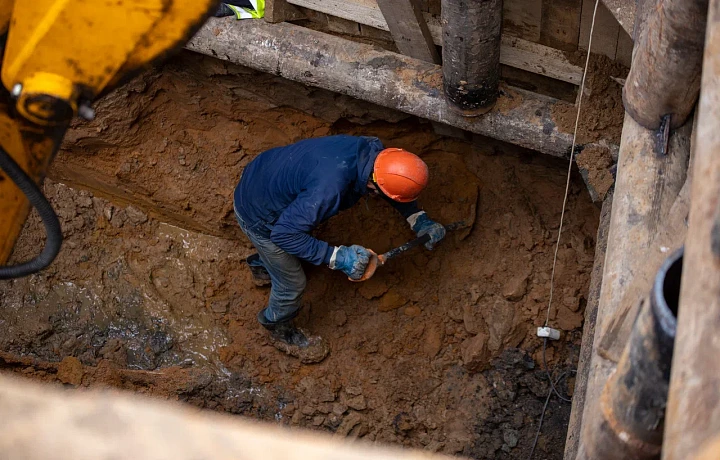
388	79
607	30
645	190
280	11
44	421
514	52
409	29
624	13
693	414
561	24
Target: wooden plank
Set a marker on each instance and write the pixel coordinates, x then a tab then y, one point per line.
42	421
624	12
523	18
514	52
624	49
693	414
409	29
280	10
606	33
539	59
561	24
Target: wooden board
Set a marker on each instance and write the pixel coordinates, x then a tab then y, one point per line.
409	29
624	49
523	18
606	33
514	51
561	24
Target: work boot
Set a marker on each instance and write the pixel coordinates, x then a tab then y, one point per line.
294	341
260	275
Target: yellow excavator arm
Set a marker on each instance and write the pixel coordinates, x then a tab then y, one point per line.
58	56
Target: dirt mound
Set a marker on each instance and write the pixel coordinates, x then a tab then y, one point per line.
436	351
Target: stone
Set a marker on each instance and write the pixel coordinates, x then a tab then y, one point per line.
433	342
516	287
391	301
511	438
357	402
339	409
412	311
339	317
220	306
318	420
475	353
373	288
70	371
135	216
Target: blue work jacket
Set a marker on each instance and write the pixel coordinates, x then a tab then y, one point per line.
285	192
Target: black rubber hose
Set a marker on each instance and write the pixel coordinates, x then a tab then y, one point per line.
47	214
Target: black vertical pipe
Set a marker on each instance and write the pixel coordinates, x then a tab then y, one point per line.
630	425
471	54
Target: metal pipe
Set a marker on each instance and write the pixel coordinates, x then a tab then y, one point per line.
471	54
630	425
381	77
668	51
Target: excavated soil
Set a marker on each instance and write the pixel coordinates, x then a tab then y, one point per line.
150	292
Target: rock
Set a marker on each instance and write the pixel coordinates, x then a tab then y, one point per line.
339	318
412	311
433	342
516	287
572	303
135	216
308	410
318	420
403	422
357	402
475	353
339	409
373	288
472	318
391	301
500	321
353	390
70	371
511	438
352	420
220	306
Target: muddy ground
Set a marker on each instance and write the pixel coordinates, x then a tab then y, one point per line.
150	292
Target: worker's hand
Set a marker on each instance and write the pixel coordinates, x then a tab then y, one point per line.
351	260
423	225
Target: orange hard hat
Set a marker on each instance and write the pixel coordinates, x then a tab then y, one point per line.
401	175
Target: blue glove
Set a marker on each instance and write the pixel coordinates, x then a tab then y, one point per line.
351	260
422	225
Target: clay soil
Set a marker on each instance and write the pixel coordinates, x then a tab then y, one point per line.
150	292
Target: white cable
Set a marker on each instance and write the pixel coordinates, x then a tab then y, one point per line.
572	153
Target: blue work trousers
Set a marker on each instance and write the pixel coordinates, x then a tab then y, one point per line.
286	273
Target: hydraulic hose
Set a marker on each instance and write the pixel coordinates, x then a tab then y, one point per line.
47	214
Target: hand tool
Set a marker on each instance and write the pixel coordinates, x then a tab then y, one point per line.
380	260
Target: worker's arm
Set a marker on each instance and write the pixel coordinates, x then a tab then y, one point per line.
292	232
420	223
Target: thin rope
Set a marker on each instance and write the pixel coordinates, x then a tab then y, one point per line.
572	153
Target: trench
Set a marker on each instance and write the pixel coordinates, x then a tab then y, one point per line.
150	293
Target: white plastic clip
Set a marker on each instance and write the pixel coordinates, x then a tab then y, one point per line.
548	332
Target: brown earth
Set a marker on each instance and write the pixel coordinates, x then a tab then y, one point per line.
150	292
602	111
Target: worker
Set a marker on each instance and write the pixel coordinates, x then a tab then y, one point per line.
286	192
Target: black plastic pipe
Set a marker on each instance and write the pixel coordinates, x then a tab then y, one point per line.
47	214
